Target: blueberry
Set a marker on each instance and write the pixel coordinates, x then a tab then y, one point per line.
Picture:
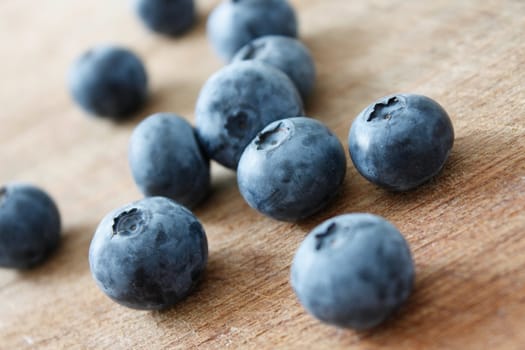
166	160
353	271
401	141
237	102
234	23
169	17
291	169
285	53
108	81
149	254
29	226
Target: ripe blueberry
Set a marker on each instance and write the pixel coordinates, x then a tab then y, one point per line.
237	102
108	81
285	53
401	141
291	169
353	271
29	226
166	160
169	17
149	254
234	23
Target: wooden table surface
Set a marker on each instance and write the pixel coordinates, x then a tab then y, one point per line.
466	228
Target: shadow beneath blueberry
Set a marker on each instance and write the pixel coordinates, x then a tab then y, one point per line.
352	197
399	326
164	99
359	195
66	260
223	179
235	287
458	173
224	202
434	314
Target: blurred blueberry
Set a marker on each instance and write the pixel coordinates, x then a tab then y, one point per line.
168	17
166	160
29	226
108	81
285	53
234	23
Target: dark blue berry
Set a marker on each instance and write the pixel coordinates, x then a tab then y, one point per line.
166	160
401	141
149	254
169	17
109	81
292	169
353	271
237	102
234	23
29	226
288	55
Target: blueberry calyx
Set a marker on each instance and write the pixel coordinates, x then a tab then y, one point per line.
320	238
237	123
128	222
385	109
273	137
252	49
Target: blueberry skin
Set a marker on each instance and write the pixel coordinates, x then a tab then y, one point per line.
286	54
148	255
29	226
166	160
292	169
353	271
237	102
234	23
401	141
108	81
168	17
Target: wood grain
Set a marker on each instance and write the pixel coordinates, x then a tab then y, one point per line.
466	228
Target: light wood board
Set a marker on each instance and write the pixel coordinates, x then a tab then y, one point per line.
466	227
